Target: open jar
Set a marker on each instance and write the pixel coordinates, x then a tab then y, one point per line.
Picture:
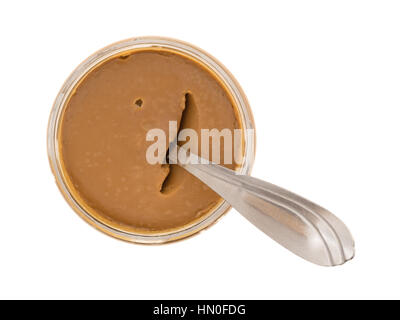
122	49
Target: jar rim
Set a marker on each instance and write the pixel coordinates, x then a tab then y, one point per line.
117	48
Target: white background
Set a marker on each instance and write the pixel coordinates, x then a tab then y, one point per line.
323	80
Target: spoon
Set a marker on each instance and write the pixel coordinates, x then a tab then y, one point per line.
299	225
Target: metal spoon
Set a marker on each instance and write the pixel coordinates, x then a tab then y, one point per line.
299	225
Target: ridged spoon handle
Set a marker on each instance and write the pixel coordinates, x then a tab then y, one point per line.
299	225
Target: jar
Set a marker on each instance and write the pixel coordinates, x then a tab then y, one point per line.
200	56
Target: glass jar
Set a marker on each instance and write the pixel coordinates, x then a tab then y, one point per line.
231	85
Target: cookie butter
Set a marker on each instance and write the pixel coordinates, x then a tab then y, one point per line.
102	138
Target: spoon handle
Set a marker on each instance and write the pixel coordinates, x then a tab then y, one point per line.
299	225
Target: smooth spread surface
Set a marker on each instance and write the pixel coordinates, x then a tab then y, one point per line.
103	144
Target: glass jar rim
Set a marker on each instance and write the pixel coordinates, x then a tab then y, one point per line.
98	57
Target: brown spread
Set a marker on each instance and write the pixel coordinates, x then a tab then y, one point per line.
102	138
